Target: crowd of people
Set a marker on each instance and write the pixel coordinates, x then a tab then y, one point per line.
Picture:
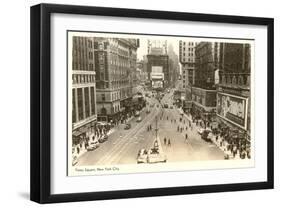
234	143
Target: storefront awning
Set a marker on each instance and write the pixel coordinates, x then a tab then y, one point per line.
76	133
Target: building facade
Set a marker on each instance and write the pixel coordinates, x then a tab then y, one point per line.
234	94
115	75
187	60
207	63
84	110
173	66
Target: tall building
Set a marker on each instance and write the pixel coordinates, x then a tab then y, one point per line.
115	75
158	64
84	114
207	62
143	77
187	60
234	94
173	65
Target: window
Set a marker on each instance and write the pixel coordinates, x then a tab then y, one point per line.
91	66
103	97
73	106
90	44
87	102
93	100
91	55
80	104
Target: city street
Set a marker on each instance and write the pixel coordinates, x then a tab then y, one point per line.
123	145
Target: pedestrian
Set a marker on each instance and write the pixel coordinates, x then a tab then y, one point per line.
165	140
186	137
186	128
78	150
169	142
178	128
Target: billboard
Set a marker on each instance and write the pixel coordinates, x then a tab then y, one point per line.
233	109
157	69
157	84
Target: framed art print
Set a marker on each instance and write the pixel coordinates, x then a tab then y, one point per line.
133	103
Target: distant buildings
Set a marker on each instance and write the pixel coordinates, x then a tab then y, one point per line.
115	75
84	111
174	69
158	64
142	74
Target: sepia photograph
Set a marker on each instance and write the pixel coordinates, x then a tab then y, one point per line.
152	103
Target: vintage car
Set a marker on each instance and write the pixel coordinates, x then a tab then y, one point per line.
142	156
154	156
127	126
139	119
93	145
206	135
137	113
103	138
200	131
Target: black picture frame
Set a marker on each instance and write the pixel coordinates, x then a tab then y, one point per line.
41	95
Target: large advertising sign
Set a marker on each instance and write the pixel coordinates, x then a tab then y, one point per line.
233	109
157	69
157	84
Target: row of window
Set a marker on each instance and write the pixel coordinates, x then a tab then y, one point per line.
189	54
82	42
82	79
82	66
188	59
190	49
85	104
189	43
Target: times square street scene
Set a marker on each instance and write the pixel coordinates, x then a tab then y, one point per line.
163	117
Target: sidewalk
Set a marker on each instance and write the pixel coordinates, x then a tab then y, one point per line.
222	145
83	150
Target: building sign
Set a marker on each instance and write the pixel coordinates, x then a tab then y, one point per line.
157	84
159	76
233	109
